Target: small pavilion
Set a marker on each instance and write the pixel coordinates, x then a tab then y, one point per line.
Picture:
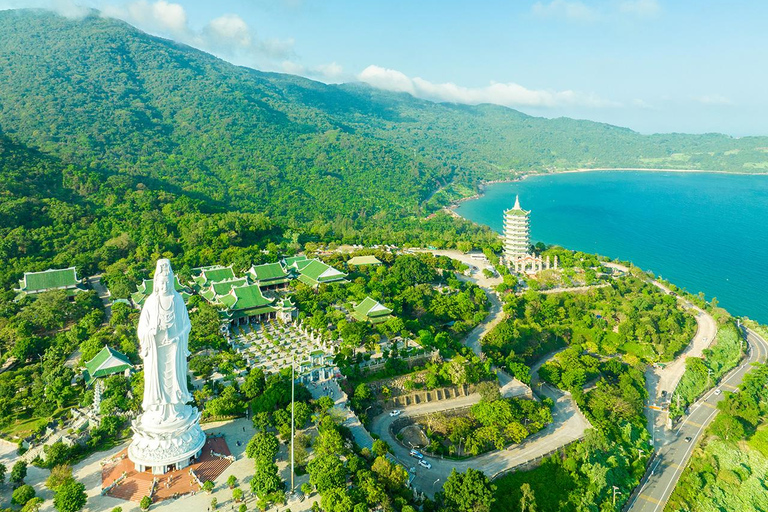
107	362
372	311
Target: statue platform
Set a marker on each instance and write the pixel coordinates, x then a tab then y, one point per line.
135	485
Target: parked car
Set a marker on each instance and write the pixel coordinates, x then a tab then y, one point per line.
423	463
688	439
417	454
394	413
717	391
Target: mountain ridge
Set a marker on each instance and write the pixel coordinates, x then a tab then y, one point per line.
102	94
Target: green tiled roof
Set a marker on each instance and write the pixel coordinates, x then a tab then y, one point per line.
51	279
293	259
371	310
364	260
269	273
224	287
315	272
245	297
205	276
215	275
106	362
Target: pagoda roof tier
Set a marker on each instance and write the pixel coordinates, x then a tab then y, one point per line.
315	272
205	276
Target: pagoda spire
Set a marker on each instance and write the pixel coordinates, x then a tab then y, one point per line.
517	203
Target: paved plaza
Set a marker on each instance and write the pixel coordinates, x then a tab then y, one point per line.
89	472
272	345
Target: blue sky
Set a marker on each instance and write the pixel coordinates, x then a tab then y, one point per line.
651	65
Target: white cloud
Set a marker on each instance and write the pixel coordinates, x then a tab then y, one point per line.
69	9
569	9
331	70
388	79
160	16
642	8
329	73
713	99
228	36
507	94
229	29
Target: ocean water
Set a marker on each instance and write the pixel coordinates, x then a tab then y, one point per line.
704	232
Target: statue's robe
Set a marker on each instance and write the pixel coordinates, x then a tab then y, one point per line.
164	340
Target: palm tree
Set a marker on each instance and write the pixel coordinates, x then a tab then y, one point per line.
527	501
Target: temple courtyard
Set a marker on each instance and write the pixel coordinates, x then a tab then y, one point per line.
90	471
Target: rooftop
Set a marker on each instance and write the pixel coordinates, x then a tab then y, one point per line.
364	260
50	279
107	362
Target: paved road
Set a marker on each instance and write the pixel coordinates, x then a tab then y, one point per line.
568	425
676	452
104	295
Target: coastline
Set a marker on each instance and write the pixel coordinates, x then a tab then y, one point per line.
451	208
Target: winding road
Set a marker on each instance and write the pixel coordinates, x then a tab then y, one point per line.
675	452
568	424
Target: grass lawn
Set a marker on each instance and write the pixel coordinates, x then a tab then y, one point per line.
641	350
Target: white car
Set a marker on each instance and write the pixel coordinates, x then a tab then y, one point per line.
717	391
423	463
396	412
417	454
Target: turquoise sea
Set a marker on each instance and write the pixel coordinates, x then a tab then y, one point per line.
702	231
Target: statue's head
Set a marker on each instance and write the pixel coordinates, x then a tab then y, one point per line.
163	281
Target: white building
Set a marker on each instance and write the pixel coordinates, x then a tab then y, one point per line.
517	238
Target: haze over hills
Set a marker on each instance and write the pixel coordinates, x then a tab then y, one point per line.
100	94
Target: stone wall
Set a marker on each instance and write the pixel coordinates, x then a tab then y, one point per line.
426	396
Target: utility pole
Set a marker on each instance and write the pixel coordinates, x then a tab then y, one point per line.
709	377
615	492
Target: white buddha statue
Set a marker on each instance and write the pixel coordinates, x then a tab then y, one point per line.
164	339
167	435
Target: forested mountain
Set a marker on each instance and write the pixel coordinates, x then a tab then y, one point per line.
100	94
117	146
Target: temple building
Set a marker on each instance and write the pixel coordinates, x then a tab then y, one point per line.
203	277
314	272
52	279
364	260
107	362
372	311
245	304
269	275
215	291
516	232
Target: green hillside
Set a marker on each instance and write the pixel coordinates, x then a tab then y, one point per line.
102	94
117	146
